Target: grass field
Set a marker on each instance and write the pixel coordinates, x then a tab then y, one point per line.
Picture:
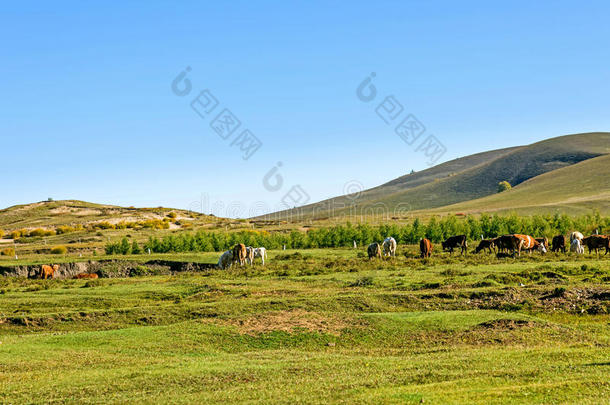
319	326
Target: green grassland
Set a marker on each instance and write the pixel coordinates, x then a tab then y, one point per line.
316	326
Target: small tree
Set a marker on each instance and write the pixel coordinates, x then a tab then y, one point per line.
124	247
503	186
135	248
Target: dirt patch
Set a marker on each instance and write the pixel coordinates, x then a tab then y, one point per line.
292	321
506	324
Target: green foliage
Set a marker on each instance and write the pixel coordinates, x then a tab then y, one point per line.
123	247
503	186
135	248
437	229
59	250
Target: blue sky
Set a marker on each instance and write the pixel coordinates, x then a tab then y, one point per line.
88	112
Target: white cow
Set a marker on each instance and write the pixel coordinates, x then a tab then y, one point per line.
389	246
576	235
250	255
260	252
226	259
577	247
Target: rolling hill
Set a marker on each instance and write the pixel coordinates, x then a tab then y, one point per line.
477	176
47	214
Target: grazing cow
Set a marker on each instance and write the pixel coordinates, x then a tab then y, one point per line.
250	255
48	271
529	243
596	242
455	242
576	247
86	275
389	246
239	254
425	248
509	243
576	235
486	244
559	243
260	252
543	241
226	259
374	250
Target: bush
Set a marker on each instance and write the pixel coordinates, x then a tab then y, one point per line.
8	252
1	233
15	235
135	248
172	215
503	186
38	232
59	250
63	229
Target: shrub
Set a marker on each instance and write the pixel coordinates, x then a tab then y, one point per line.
1	233
59	250
172	215
103	225
63	229
38	232
135	248
8	252
503	186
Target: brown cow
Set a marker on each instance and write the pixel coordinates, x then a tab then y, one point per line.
528	243
374	250
86	275
239	254
596	242
425	248
559	243
48	271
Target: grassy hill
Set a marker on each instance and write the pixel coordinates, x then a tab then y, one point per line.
476	176
579	188
47	214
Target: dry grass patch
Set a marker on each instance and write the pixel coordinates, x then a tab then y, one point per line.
293	321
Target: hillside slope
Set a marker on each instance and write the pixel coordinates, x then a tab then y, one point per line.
478	177
579	188
47	214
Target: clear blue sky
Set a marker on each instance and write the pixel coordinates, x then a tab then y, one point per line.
88	113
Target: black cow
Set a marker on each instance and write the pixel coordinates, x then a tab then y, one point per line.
559	244
486	244
455	242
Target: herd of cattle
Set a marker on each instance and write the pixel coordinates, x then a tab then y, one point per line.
502	246
505	245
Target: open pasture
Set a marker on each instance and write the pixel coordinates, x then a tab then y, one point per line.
316	326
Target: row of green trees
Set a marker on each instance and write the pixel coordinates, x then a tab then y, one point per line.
436	229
